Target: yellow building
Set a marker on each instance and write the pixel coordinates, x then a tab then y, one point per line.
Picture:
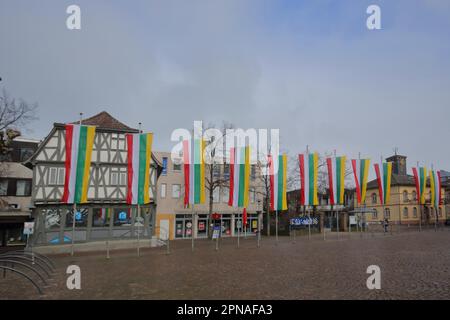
403	207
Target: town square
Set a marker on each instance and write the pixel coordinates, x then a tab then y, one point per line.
225	151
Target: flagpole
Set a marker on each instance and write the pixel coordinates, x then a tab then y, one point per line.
137	224
109	234
384	197
276	225
73	227
74	206
192	230
309	224
239	231
419	197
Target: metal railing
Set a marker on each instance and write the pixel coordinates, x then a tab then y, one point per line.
28	265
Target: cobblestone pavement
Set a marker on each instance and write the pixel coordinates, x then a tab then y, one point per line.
414	265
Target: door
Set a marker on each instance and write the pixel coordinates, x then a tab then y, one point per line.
164	229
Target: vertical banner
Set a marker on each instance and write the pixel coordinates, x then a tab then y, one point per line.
79	143
309	167
361	175
420	179
336	179
278	175
139	150
384	175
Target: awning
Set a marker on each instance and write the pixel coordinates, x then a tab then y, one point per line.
14	216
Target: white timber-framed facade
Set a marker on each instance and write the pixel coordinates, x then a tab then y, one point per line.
106	215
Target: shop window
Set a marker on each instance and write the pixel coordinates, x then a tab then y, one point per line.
52	218
122	216
101	217
202	226
183	226
81	218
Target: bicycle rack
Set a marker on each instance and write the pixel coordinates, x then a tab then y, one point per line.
35	254
38	264
11	256
24	275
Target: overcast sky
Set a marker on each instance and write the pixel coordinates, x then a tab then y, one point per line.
310	68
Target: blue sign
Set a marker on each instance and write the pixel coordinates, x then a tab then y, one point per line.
122	216
304	221
78	216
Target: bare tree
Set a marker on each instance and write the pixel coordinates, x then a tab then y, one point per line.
215	179
14	114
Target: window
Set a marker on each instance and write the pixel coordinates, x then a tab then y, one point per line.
405	196
61	176
56	176
252	195
375	214
387	213
414	196
414	212
374	198
405	212
225	194
164	165
176	189
101	217
114	178
253	172
53	176
3	187
216	171
177	165
163	190
216	195
26	153
23	188
123	179
226	171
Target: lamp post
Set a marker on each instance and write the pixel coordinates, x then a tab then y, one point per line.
259	222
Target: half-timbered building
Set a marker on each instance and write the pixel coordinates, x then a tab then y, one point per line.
106	215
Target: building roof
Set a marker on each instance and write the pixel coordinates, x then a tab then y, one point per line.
15	170
104	120
397	180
